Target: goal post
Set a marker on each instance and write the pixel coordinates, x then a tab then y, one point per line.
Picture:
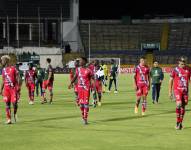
107	61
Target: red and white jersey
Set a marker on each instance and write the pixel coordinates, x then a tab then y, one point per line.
30	76
9	75
181	77
84	76
142	75
92	68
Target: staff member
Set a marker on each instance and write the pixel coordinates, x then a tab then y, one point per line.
157	77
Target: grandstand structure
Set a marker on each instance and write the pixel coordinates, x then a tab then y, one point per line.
39	23
111	38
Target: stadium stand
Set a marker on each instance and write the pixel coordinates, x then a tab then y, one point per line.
119	36
180	36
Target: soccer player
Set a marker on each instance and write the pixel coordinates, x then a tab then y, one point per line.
84	76
141	84
75	85
30	77
48	82
97	87
105	70
39	79
157	77
179	82
113	76
8	87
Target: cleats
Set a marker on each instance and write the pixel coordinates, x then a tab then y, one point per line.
178	126
136	110
99	104
85	122
115	92
44	101
143	113
95	104
15	118
8	121
31	103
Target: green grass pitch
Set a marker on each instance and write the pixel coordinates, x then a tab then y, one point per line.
114	126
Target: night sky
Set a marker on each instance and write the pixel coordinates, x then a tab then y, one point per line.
114	9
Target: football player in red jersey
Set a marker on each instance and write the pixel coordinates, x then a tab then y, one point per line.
141	84
48	82
9	87
30	77
75	84
84	76
179	82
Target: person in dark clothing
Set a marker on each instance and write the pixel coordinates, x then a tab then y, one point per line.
113	75
157	77
40	76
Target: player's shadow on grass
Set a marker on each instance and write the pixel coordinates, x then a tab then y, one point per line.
137	117
117	103
54	118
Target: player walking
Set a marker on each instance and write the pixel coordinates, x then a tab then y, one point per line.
84	76
113	76
39	79
179	82
97	87
48	82
105	70
9	87
141	84
75	84
30	77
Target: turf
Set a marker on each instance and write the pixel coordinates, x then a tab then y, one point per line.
114	126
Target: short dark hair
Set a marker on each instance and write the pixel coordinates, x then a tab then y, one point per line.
84	59
142	57
48	60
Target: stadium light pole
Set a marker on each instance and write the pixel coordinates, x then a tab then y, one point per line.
89	28
8	40
61	28
17	38
39	26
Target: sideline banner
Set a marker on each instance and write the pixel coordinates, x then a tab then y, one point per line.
129	70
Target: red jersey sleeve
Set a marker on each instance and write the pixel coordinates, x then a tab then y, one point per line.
172	74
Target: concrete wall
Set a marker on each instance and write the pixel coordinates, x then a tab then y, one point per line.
71	29
56	60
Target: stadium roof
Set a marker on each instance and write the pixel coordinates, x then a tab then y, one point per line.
112	9
29	8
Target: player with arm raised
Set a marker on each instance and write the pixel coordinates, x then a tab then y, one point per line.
179	82
9	87
84	76
141	84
